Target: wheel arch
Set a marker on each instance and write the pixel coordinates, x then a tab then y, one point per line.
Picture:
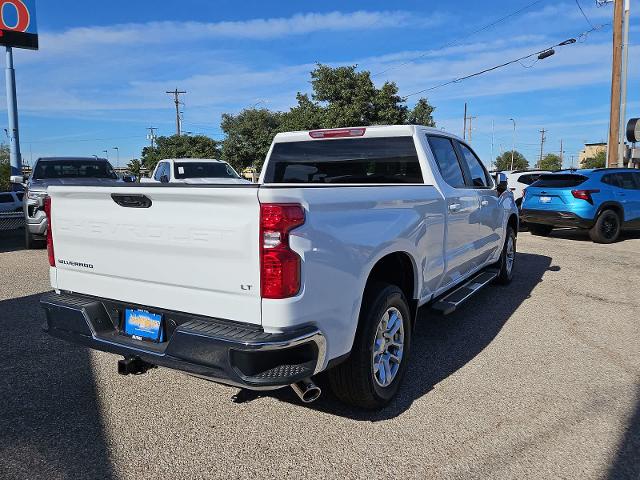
397	268
610	205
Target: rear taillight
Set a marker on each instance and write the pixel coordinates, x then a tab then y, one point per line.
279	265
584	194
524	193
47	211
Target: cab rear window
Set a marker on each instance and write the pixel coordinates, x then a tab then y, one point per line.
559	180
357	160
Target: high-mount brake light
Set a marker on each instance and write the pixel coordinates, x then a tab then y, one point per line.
279	265
341	133
50	251
584	194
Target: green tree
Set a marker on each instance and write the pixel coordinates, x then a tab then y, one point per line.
598	161
422	114
249	136
5	168
503	162
341	97
180	146
551	161
134	167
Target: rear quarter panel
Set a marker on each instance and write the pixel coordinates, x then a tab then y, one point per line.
347	230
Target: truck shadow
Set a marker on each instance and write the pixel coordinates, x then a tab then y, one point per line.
443	345
11	240
50	425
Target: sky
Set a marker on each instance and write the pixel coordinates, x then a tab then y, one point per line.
100	76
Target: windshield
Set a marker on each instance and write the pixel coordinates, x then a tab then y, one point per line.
204	170
73	169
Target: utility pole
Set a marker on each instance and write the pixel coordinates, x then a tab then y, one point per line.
176	98
152	135
613	146
542	140
513	148
493	132
464	129
623	84
12	106
561	154
471	119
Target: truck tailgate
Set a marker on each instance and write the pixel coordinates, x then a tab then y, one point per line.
193	250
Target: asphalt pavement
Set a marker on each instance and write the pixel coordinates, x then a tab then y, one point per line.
540	379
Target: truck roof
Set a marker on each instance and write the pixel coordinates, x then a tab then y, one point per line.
193	160
70	159
371	131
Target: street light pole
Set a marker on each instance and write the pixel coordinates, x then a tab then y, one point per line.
117	149
106	152
513	148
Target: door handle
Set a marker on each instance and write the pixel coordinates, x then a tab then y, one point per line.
484	203
454	207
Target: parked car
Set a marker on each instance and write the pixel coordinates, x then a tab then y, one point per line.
320	266
58	171
194	170
11	201
603	201
518	180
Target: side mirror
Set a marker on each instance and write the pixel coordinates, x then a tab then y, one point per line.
17	179
501	183
164	179
129	178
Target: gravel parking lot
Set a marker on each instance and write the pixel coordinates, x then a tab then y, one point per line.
540	379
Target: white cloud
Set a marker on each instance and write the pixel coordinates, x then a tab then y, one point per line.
255	29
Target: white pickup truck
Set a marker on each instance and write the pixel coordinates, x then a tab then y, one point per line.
320	266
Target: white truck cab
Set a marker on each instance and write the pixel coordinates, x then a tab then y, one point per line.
320	266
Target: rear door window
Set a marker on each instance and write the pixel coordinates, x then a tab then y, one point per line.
447	160
6	198
560	180
356	160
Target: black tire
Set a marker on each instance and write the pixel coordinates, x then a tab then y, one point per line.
353	381
507	258
607	227
539	230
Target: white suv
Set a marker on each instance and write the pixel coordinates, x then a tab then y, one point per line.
518	180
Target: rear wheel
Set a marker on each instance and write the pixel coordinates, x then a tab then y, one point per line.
507	259
371	376
607	227
539	230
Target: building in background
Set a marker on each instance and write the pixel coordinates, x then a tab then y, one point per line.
591	150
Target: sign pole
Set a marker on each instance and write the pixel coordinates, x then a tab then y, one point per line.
12	109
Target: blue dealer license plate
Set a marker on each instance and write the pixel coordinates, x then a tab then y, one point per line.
143	325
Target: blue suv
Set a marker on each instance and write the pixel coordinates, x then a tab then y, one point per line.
603	201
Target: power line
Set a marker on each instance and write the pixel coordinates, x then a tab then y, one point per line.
460	40
545	52
584	14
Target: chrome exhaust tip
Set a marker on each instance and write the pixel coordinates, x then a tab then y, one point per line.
306	390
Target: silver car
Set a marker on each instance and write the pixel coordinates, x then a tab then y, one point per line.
58	171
